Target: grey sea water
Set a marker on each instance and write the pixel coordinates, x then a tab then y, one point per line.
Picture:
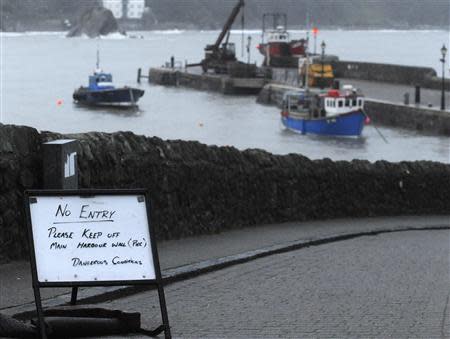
39	72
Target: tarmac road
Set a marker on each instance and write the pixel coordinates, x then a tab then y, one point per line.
16	292
390	285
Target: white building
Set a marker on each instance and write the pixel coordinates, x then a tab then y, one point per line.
134	9
115	6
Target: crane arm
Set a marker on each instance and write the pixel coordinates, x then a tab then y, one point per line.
226	28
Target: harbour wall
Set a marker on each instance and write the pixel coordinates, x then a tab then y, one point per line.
199	189
418	118
207	82
408	75
425	77
429	121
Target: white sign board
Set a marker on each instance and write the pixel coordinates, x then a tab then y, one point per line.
90	239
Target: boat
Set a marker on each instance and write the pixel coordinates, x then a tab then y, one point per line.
102	92
277	43
276	46
334	112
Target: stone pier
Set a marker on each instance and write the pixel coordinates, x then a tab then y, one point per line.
208	82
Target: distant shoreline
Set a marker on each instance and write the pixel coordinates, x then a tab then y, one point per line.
59	27
237	30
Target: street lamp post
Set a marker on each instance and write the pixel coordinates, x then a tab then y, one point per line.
443	52
249	44
322	45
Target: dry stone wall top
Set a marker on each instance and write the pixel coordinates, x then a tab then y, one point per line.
197	189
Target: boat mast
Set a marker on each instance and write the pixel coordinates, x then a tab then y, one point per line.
98	57
307	51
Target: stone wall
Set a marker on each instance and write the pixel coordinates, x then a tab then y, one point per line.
430	121
222	83
426	77
197	189
168	77
288	76
409	75
20	169
272	94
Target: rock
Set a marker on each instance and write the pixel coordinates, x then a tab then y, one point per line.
13	328
95	22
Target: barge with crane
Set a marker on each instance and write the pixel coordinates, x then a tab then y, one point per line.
220	70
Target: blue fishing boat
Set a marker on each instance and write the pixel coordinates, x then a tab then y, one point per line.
335	112
102	92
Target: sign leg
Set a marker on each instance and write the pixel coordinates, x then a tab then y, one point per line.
40	312
73	298
165	317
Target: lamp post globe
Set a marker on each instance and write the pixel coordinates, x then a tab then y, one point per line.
444	53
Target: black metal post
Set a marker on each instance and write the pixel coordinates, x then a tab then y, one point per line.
61	172
336	84
417	97
321	74
443	52
406	98
73	296
315	43
249	43
322	81
139	75
443	85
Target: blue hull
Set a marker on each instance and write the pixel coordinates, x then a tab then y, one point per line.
108	97
348	124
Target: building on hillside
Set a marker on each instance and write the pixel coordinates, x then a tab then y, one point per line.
125	9
135	9
115	6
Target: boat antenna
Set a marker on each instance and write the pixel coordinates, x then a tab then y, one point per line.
307	50
307	16
98	57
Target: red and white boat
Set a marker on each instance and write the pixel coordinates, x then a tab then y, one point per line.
277	46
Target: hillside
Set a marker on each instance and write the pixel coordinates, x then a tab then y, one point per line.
211	14
324	13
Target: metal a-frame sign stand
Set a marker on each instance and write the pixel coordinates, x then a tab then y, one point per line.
32	196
